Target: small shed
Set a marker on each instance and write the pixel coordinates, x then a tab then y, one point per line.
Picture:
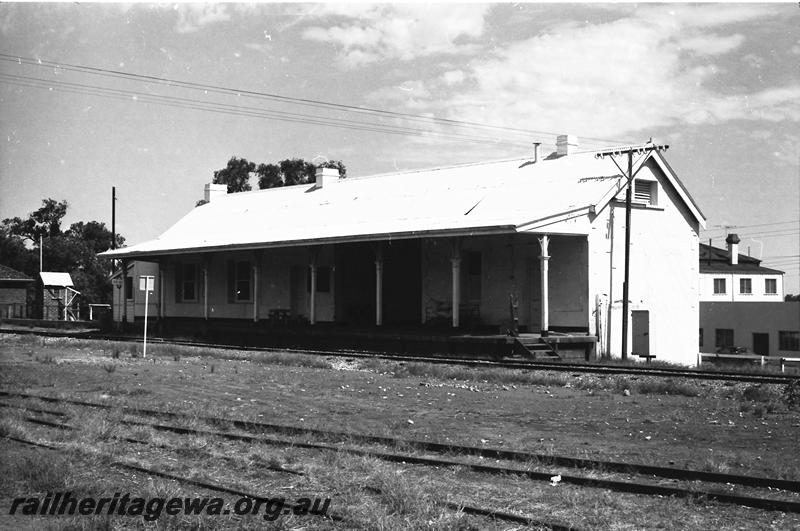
59	298
13	293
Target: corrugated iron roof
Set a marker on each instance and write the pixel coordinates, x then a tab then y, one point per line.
56	279
716	260
475	198
6	273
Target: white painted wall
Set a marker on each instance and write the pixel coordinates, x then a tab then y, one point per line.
135	307
663	271
510	264
732	293
274	287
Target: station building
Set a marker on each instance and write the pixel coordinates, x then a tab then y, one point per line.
535	245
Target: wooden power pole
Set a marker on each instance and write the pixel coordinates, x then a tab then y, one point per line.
645	151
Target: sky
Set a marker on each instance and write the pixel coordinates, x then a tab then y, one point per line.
719	83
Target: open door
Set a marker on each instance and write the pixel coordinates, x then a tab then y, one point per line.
761	344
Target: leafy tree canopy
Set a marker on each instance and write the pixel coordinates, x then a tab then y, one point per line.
236	175
286	172
74	251
45	222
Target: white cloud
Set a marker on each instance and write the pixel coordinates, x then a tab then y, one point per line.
193	17
712	44
753	60
612	79
453	77
370	33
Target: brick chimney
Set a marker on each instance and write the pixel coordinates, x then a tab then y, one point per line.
566	145
733	248
326	176
212	191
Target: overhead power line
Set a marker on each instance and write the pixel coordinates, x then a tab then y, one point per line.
731	227
276	97
240	110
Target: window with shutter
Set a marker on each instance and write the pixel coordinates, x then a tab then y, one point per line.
645	192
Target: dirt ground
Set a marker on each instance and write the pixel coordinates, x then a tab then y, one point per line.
736	428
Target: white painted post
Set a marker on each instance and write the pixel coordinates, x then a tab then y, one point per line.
146	297
313	310
255	292
205	291
456	290
161	312
379	290
146	283
544	242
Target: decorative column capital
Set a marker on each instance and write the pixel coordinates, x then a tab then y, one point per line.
544	243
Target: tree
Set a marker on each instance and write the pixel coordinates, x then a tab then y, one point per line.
43	222
269	176
789	297
289	172
74	251
236	175
94	232
297	171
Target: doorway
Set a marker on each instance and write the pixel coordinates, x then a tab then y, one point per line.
761	344
640	331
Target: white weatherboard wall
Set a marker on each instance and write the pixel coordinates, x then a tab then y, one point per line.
510	264
663	266
732	293
135	306
274	284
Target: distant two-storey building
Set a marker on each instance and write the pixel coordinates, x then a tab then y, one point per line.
741	304
726	275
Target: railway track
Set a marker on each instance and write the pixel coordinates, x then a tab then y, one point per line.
574	367
216	487
628	486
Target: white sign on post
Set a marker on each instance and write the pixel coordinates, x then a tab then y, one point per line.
147	284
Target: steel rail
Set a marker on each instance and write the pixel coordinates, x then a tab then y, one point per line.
468	509
674	372
623	486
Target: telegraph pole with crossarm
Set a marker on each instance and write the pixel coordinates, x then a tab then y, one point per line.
644	152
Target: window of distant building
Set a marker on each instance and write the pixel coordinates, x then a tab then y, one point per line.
746	286
788	340
719	286
129	288
724	337
770	286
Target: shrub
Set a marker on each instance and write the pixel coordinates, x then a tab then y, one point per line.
791	393
757	393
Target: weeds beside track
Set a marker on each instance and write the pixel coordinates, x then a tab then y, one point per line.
635	487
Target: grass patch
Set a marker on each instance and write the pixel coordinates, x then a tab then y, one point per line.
292	360
41	472
667	386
